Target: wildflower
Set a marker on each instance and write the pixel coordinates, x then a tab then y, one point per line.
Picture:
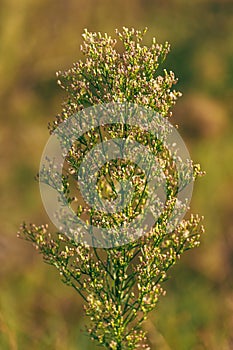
121	285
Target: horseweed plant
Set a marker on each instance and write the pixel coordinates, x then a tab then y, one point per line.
120	284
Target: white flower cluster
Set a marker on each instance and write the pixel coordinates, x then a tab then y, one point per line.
122	284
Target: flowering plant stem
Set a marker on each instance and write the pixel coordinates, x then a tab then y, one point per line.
122	284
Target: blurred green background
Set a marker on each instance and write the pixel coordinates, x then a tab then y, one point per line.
37	38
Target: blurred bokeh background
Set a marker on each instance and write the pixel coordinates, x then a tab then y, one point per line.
37	38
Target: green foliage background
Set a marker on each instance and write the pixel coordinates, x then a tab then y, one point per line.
38	38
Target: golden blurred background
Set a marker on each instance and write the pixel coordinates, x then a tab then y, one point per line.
37	38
